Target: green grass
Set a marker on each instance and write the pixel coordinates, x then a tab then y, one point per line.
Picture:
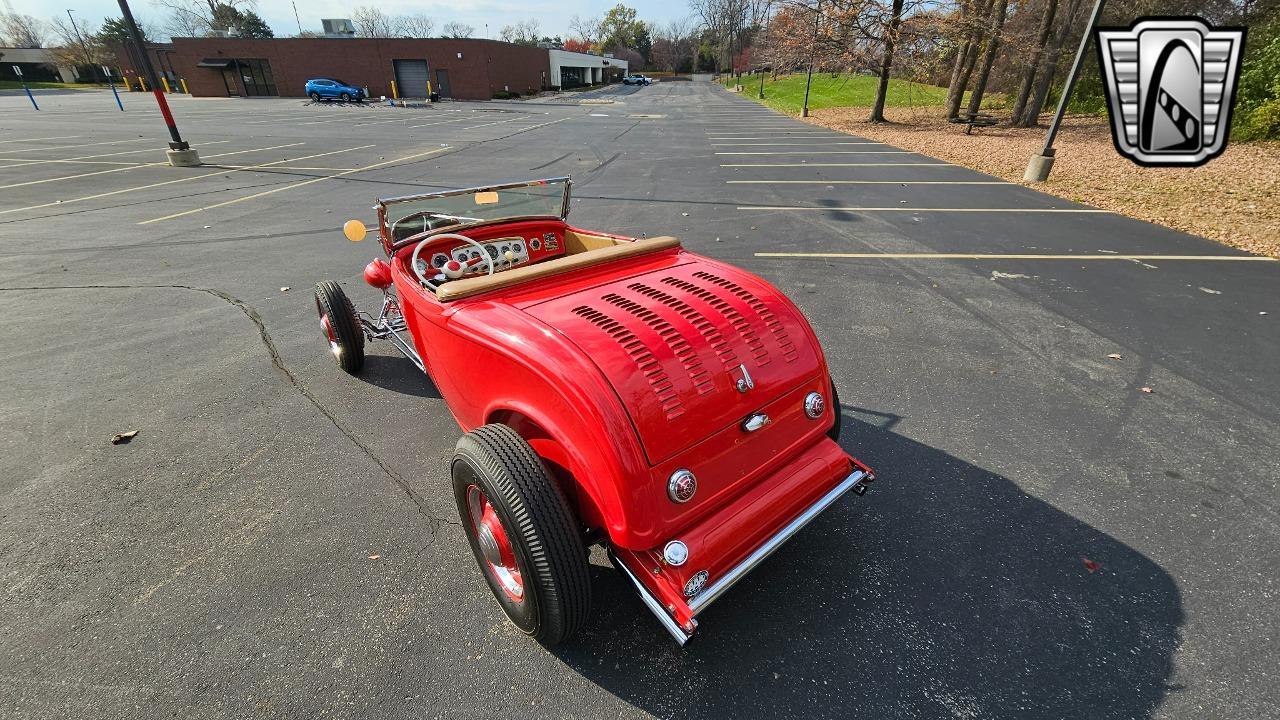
844	90
15	85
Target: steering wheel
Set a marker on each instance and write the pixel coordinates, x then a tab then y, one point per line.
453	269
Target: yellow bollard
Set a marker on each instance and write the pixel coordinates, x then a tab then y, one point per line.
394	94
428	91
165	81
142	83
185	91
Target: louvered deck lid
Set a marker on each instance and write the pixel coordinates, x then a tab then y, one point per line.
671	342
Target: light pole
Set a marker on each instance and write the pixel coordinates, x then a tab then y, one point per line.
180	153
813	49
83	48
1039	166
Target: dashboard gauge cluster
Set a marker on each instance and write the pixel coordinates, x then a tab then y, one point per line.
505	253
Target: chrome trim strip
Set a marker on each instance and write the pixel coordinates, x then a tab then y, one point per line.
654	606
726	581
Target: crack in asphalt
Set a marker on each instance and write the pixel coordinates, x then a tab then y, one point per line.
434	522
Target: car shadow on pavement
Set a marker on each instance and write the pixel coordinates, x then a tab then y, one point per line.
399	374
946	591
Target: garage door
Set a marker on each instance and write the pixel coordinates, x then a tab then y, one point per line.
411	77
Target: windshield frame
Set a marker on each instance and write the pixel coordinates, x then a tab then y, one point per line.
384	204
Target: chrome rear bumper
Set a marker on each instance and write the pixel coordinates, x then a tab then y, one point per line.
856	481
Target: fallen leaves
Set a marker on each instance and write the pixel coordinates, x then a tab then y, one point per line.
1116	356
124	437
374	557
1090	565
284	289
1147	390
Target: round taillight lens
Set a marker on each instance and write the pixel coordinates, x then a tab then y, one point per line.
682	486
675	553
814	405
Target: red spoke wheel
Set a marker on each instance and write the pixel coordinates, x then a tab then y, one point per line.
524	534
340	326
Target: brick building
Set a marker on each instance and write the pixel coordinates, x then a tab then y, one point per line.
472	69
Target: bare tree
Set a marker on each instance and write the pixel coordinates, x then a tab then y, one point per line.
524	32
989	56
22	31
588	29
417	25
195	18
371	22
731	22
1031	114
78	45
455	29
886	63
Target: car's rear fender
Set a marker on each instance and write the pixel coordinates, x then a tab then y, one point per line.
572	416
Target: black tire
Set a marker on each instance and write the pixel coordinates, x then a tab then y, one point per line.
342	332
540	527
834	432
315	96
346	97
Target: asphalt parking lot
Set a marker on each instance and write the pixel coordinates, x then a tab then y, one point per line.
1049	539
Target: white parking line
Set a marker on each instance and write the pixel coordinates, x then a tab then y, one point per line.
179	180
822	152
442	122
28	163
292	186
143	165
921	210
997	256
55	137
67	147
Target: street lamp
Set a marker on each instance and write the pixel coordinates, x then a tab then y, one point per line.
1039	166
180	153
813	49
83	48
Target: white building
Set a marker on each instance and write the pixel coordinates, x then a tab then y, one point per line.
37	65
570	69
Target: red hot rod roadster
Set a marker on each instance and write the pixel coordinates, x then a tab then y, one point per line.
612	390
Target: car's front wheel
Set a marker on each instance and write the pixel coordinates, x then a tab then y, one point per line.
315	96
522	532
340	325
346	97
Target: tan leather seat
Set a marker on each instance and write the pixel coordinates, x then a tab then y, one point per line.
467	287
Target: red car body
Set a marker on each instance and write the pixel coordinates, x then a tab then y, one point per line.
621	374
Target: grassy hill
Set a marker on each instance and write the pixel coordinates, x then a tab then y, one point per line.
843	90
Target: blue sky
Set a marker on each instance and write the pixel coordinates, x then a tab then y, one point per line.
553	14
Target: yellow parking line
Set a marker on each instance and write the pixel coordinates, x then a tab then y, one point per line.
922	210
999	256
143	165
795	144
809	165
26	163
867	182
823	152
65	147
55	137
293	186
171	182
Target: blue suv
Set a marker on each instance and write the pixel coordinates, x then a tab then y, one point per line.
329	88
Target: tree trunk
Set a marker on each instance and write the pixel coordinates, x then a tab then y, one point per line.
891	33
975	99
1031	116
1029	76
962	53
964	63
